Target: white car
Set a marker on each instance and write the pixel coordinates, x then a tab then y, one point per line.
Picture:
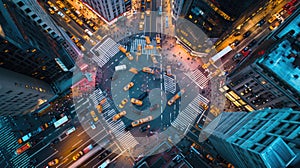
93	126
60	14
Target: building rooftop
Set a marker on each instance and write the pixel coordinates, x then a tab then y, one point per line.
294	24
280	62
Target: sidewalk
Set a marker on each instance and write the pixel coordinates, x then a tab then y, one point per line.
177	55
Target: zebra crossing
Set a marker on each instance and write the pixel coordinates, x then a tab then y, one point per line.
198	78
169	84
189	114
126	139
8	144
145	51
103	52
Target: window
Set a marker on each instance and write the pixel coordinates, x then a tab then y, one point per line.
27	10
8	92
20	4
34	16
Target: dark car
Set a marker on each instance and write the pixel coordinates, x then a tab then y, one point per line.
247	34
145	128
55	141
235	42
261	22
104	154
237	56
252	43
237	33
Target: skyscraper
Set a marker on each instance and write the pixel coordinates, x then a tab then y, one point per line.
269	80
110	10
30	43
21	94
213	17
267	138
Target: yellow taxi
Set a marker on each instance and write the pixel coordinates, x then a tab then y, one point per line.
99	108
148	70
78	155
133	70
119	115
50	4
153	58
95	28
136	101
123	103
93	114
203	105
141	121
67	20
128	86
141	26
53	162
51	11
142	15
272	19
209	157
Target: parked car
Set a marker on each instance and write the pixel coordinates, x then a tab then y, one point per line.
252	43
247	34
261	22
237	56
235	43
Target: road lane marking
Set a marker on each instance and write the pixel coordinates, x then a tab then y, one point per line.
65	160
39	150
76	143
46	158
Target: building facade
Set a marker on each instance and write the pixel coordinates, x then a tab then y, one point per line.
267	138
20	94
31	44
214	18
272	80
109	9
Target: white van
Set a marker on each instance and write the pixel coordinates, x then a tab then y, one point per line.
120	68
104	164
88	32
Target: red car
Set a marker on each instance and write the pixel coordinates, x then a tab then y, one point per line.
291	10
246	53
23	148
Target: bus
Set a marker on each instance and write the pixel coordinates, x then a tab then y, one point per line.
92	150
147	38
61	121
23	148
104	164
159	10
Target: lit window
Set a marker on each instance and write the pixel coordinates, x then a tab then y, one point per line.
6	51
190	16
34	50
